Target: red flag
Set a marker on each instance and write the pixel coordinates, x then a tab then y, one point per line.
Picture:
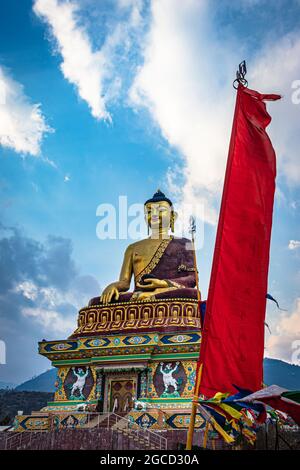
233	334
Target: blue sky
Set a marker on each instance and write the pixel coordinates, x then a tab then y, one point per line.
110	98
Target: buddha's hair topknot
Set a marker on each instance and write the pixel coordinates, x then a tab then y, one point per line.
158	197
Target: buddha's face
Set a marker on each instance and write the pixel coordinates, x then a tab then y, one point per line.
158	215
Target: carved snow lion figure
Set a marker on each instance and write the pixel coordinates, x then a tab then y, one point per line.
167	372
79	384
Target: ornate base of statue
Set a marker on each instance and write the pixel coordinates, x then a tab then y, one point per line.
133	358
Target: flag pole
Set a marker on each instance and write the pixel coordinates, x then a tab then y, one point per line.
193	231
205	435
190	434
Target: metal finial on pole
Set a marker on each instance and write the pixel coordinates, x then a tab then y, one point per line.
192	228
240	75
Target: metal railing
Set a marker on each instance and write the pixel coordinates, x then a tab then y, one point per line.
145	436
58	421
22	440
107	421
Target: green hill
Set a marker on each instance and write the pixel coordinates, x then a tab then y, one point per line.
41	383
275	372
281	373
36	392
12	401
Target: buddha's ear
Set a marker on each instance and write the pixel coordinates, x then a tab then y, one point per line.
146	221
174	216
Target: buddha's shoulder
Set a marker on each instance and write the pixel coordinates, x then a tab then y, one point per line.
138	244
146	241
181	240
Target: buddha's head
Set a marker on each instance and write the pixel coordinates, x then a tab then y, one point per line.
159	213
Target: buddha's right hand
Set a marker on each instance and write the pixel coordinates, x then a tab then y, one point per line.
109	292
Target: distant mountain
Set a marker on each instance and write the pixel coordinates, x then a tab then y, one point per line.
275	372
41	383
5	385
281	373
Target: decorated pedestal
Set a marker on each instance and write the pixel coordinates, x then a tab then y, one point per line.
132	358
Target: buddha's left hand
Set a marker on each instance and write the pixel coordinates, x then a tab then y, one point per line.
151	284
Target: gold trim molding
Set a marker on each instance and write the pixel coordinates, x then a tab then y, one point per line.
143	315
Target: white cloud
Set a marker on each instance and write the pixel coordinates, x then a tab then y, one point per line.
286	337
135	8
28	289
49	162
180	83
53	308
93	72
275	69
294	244
67	178
51	320
23	125
185	83
47	301
81	66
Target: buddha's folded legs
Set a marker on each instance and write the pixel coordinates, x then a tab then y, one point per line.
141	295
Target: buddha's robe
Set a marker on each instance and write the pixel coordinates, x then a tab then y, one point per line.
172	260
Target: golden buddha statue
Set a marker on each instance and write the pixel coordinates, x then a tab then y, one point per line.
162	265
